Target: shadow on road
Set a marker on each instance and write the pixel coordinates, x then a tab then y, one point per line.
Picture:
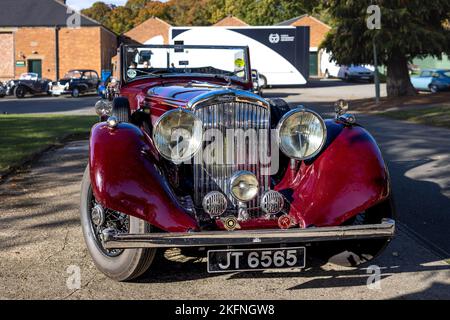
83	104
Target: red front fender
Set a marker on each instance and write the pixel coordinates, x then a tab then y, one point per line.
348	177
124	179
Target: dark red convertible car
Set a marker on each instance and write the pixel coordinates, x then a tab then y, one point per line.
188	157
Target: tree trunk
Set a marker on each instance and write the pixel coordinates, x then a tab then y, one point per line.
398	81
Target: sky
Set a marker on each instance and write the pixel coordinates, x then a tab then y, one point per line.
81	4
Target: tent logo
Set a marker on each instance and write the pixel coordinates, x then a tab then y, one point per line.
274	38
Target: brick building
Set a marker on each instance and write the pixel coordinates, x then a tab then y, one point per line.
318	31
151	31
48	38
231	21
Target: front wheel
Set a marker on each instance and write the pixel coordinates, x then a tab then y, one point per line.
75	93
434	88
20	92
118	264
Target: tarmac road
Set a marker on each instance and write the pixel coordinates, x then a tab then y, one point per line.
40	238
54	105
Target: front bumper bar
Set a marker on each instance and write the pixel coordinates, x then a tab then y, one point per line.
111	240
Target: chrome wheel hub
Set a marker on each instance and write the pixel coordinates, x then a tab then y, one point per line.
98	215
103	219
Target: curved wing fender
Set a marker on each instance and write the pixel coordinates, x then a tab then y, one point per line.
124	178
346	178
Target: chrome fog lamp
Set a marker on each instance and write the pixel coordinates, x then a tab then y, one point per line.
178	135
215	203
244	186
301	134
272	202
103	108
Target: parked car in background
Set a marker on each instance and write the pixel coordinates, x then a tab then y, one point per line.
77	82
28	83
257	82
351	72
2	90
189	157
433	80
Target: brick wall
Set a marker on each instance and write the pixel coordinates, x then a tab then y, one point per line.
79	49
230	21
39	44
6	56
148	29
318	29
84	48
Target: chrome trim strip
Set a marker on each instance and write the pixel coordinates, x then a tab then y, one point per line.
227	95
386	229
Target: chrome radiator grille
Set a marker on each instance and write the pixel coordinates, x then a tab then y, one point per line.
222	117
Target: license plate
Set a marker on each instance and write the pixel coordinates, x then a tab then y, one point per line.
365	78
256	259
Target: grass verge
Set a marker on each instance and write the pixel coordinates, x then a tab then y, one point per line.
22	136
438	116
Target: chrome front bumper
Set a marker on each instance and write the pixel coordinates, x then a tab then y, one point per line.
386	229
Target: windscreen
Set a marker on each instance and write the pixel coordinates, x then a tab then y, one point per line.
148	61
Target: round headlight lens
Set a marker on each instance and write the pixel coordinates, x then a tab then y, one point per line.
244	186
302	133
178	135
103	108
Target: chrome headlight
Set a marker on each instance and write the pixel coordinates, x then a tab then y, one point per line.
103	108
301	134
244	186
178	135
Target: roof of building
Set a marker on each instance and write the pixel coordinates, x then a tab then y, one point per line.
290	21
147	23
143	31
293	21
230	21
42	13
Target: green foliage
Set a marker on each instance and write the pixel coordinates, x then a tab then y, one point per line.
258	12
99	12
197	12
411	29
21	136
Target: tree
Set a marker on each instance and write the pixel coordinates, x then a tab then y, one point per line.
409	29
259	12
153	9
188	12
120	20
136	5
99	11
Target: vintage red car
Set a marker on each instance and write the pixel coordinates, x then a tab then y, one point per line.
189	157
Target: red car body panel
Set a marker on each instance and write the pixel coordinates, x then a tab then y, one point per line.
125	179
346	178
